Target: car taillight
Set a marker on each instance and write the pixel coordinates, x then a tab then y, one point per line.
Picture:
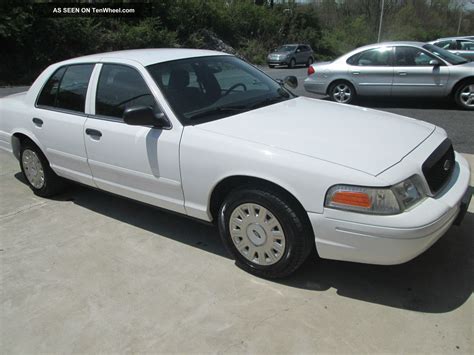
310	70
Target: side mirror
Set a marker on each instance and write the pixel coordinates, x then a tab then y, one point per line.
291	81
144	116
435	63
298	50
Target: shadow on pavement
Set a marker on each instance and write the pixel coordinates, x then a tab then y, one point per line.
438	281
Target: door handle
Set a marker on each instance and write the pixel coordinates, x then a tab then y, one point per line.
37	121
402	73
93	132
355	72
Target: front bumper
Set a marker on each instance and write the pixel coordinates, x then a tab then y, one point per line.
277	62
387	240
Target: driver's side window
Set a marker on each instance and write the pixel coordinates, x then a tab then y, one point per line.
119	88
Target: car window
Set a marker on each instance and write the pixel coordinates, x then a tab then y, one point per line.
285	48
73	87
445	55
449	44
372	57
466	45
412	57
302	48
207	88
49	93
67	88
121	87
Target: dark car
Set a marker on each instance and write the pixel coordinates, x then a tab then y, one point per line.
291	55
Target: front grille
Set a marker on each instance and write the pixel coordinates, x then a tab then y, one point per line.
439	166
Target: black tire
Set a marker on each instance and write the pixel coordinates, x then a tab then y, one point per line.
309	61
292	63
271	66
53	184
333	96
459	91
298	235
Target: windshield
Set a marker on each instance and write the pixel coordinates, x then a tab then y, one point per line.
444	54
285	48
209	88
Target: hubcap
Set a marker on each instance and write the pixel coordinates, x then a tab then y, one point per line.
257	234
342	93
467	95
33	168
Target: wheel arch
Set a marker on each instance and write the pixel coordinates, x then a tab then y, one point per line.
340	80
18	138
459	83
226	185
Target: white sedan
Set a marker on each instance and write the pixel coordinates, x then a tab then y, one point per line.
209	136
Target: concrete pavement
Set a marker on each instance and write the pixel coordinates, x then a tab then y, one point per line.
91	272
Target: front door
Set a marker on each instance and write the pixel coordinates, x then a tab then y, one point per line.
139	162
415	76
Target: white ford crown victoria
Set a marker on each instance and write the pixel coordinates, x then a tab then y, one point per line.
209	136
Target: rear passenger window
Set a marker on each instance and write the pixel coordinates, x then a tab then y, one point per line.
67	88
373	57
48	95
119	88
73	88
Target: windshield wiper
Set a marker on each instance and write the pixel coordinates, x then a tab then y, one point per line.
269	101
215	110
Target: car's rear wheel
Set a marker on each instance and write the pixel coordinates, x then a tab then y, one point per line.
292	63
309	61
271	66
342	92
264	232
35	168
464	95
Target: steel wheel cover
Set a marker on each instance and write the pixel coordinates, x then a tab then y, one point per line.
342	93
257	234
33	168
467	95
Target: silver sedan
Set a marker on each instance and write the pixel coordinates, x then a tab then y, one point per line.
395	69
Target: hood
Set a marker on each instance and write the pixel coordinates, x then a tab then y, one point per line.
359	138
280	53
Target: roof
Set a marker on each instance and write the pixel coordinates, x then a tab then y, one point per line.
394	43
470	38
147	56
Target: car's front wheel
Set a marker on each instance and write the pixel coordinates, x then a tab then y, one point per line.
292	63
35	168
264	232
464	95
342	91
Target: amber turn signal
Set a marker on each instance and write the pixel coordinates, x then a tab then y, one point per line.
351	198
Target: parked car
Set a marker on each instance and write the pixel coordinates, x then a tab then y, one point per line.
209	136
291	55
395	69
462	46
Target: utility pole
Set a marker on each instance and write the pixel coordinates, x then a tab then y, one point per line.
380	22
461	12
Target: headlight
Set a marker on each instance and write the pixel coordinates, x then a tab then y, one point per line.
384	201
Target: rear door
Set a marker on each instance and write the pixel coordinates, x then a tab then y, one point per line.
139	162
371	71
415	76
58	121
